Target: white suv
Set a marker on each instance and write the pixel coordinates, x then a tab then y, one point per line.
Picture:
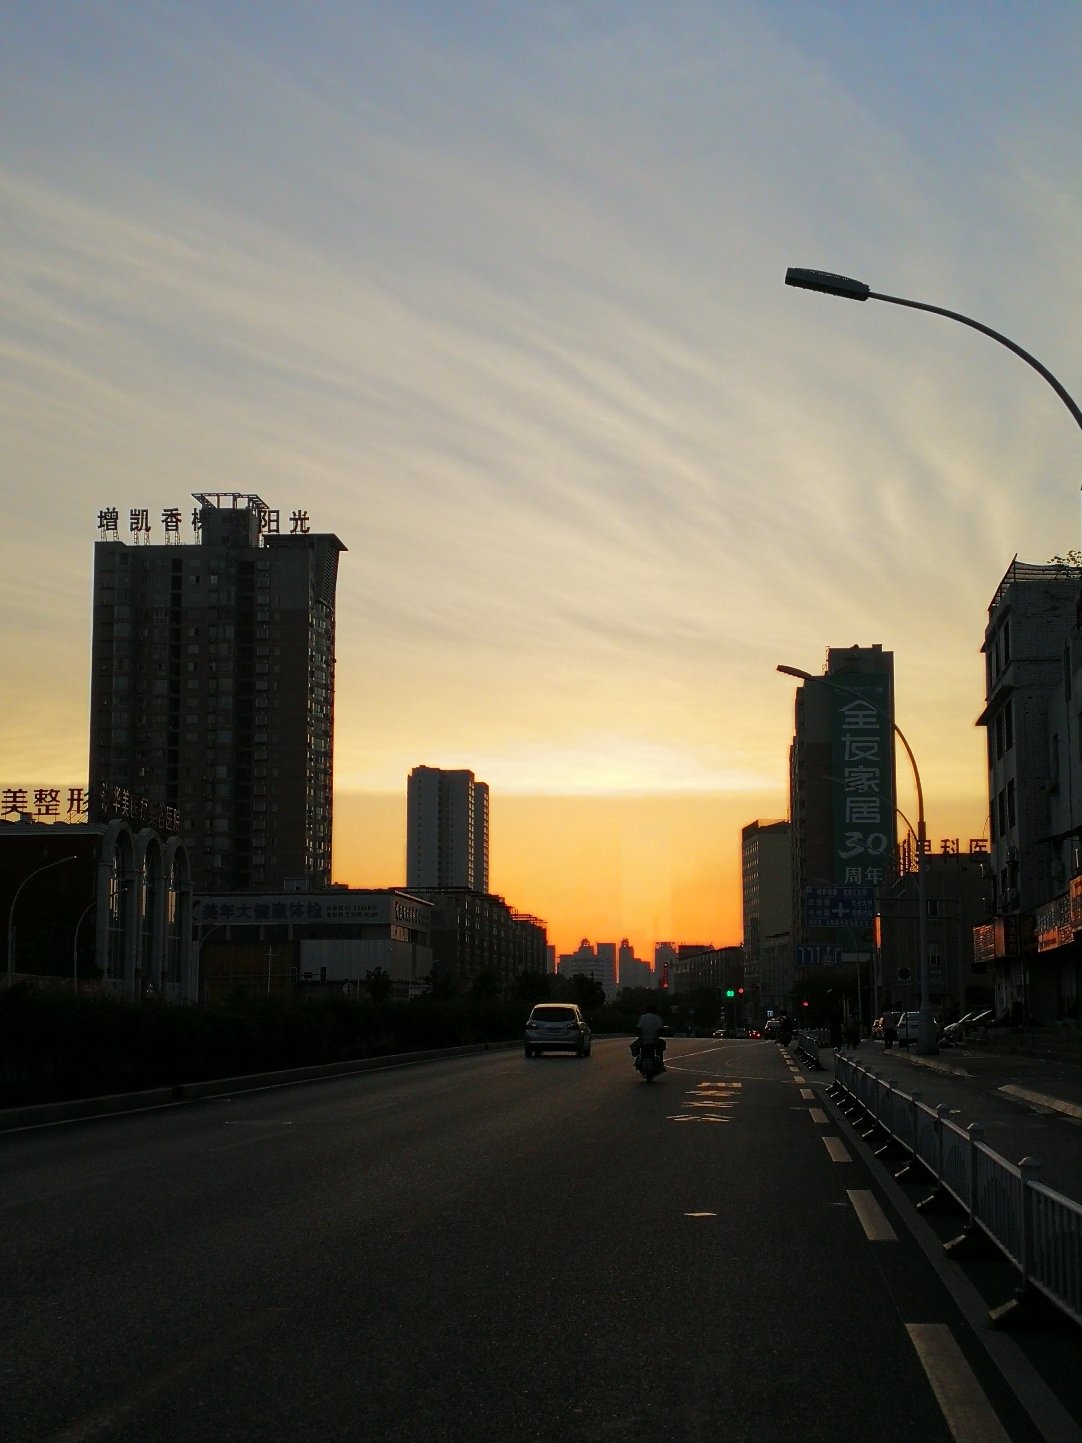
557	1027
908	1027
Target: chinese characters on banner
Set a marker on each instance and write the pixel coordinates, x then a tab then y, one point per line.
863	771
139	525
72	804
45	804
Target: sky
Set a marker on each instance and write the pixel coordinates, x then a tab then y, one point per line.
494	292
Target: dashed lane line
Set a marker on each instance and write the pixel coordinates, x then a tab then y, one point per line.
837	1149
818	1115
807	1093
969	1415
871	1216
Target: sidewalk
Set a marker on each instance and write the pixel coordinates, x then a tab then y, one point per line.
1028	1106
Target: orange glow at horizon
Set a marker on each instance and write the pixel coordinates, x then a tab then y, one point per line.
651	868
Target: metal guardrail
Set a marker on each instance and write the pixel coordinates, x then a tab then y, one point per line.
1037	1229
808	1043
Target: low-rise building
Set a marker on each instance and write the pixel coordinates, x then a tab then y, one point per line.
278	943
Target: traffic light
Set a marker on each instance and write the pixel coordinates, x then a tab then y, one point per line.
730	993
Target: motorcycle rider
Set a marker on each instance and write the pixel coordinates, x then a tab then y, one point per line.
649	1029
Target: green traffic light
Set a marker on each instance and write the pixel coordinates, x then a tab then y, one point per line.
729	992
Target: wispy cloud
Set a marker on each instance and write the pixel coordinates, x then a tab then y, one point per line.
496	295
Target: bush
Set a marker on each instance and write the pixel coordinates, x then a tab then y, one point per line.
55	1047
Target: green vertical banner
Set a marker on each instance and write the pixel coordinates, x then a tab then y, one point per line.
862	753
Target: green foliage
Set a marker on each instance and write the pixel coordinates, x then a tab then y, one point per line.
379	984
587	992
54	1046
533	987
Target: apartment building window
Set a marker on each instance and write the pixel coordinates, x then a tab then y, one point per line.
1011	817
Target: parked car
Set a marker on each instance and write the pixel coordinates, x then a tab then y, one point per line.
557	1027
908	1024
957	1031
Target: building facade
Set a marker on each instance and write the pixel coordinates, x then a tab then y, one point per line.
98	907
477	939
212	691
589	961
446	829
842	807
632	970
959	888
766	869
1033	722
287	943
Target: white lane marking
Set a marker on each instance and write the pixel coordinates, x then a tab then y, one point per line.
241	1123
700	1215
696	1117
837	1149
872	1217
807	1093
818	1115
970	1416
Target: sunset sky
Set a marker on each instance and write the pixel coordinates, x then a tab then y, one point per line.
494	291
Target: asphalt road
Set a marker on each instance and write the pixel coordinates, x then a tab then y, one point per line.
481	1248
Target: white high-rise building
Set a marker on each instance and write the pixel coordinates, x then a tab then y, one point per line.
446	829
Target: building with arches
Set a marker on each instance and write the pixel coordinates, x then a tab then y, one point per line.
97	906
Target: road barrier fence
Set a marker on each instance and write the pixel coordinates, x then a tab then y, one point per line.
1037	1229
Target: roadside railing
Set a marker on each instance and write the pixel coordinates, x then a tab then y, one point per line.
1037	1229
808	1044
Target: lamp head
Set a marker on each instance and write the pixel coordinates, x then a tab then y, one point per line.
828	283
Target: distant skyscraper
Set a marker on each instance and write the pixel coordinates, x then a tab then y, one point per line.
212	691
446	829
767	886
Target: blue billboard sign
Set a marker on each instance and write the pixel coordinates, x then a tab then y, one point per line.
840	906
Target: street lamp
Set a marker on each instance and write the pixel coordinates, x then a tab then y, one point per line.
833	285
75	947
926	1039
11	910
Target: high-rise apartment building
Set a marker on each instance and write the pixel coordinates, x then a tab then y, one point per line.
212	691
446	829
767	894
842	780
1033	719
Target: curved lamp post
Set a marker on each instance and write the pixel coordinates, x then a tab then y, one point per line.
75	946
926	1039
833	285
11	910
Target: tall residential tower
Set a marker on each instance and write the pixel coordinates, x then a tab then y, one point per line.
446	829
212	691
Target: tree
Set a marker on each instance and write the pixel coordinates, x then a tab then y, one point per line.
532	987
484	986
378	982
587	992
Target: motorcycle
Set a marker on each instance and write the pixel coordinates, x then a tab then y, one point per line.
648	1060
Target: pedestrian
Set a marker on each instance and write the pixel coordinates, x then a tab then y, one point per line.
890	1029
